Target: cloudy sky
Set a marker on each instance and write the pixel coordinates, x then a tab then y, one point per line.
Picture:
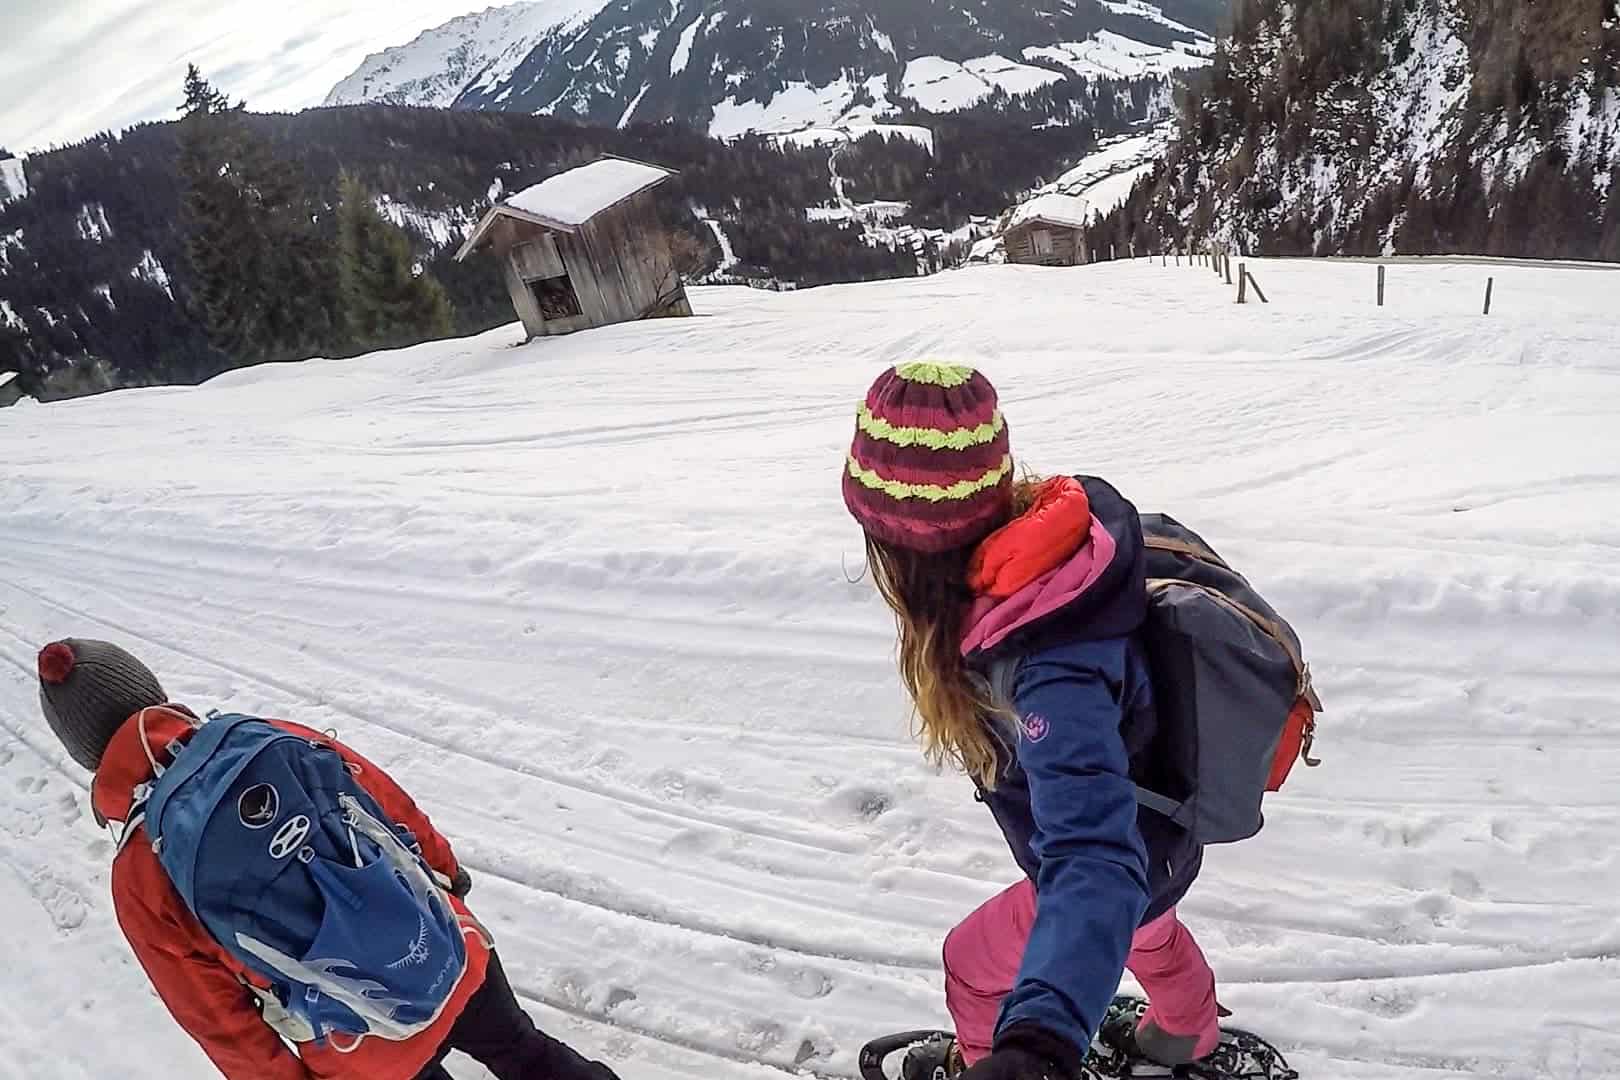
70	68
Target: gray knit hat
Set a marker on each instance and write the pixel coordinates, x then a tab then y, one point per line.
88	689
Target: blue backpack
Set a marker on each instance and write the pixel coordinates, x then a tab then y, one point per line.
297	873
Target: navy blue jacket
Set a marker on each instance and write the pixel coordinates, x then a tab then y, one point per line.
1066	800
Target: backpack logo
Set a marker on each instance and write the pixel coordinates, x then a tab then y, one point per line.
418	953
1036	727
259	806
289	837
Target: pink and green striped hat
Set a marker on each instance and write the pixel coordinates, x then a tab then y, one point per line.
930	468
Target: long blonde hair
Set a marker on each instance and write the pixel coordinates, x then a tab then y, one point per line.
930	597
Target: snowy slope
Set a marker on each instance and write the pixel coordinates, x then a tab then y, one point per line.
1098	183
1107	55
13	180
588	599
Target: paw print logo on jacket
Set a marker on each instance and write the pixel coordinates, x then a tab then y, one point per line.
1035	727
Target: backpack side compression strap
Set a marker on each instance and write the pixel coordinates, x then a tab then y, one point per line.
1004	675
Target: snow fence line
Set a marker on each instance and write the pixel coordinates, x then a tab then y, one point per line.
1219	260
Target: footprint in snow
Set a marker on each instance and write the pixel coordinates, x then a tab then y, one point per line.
691	842
1389	1002
799	980
759	1038
1466	886
809	1051
861	804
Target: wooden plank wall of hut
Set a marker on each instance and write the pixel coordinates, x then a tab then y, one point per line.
628	243
503	240
1065	246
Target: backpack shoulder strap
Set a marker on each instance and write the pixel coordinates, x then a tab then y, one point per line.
196	754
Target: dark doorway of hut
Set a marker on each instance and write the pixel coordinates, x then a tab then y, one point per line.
556	297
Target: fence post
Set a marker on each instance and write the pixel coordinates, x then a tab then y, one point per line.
1228	263
1257	290
1216	264
1243	283
1164	257
1380	286
1178	256
1490	287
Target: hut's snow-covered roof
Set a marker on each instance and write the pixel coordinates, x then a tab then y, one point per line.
1054	209
568	200
6	377
576	196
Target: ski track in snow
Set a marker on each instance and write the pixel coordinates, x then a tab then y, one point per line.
610	643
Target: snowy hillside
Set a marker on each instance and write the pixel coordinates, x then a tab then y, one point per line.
739	68
13	180
1364	127
589	599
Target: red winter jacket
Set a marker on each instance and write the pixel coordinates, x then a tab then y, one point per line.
202	986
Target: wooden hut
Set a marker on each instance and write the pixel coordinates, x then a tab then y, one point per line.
1049	230
584	248
10	389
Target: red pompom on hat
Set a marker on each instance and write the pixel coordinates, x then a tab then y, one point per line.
87	689
56	663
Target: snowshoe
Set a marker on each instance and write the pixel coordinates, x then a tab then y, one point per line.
1240	1055
929	1055
1115	1055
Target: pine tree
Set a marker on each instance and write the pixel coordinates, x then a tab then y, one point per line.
387	302
263	273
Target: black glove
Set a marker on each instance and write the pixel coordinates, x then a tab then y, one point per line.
1029	1052
1014	1063
461	884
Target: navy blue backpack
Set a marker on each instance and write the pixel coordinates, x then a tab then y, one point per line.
297	873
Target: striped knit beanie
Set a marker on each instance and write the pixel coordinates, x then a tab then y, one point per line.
930	469
87	689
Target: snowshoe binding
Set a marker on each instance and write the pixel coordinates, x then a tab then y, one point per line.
1115	1054
1240	1055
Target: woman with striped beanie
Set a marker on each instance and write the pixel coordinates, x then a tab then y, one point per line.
1043	579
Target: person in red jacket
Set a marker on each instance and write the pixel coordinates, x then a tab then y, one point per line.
96	697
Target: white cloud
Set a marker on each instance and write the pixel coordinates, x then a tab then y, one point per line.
70	68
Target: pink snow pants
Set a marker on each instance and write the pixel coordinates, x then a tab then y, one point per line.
983	955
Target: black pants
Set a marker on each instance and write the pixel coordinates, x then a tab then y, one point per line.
495	1031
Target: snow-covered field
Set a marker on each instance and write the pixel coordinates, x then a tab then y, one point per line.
1096	185
1107	55
590	600
1105	177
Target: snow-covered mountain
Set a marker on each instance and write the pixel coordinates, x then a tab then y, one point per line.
777	66
441	63
1428	126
